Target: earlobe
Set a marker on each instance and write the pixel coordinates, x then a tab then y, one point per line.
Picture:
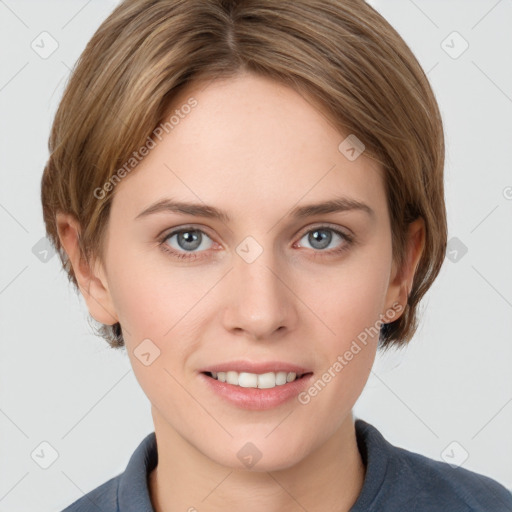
92	282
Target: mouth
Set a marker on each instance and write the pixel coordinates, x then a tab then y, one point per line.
266	380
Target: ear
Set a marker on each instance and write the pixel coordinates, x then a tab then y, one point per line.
92	282
401	280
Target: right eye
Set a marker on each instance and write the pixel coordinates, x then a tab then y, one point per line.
186	243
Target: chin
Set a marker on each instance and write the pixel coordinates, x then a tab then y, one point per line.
257	453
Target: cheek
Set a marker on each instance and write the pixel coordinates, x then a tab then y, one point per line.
350	296
159	302
349	306
143	303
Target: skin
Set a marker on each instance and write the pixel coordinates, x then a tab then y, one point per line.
256	149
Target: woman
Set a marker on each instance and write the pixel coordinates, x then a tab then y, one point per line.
249	195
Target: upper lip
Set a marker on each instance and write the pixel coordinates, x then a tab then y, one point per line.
256	367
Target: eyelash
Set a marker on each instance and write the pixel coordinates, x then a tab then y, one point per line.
192	256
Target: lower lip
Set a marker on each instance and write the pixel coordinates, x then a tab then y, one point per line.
256	399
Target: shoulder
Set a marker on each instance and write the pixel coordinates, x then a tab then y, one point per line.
103	497
128	491
398	479
449	487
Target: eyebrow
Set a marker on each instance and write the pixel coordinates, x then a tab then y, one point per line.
339	204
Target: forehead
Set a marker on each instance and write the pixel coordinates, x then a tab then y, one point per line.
249	142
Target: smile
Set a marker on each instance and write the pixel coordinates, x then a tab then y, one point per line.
254	380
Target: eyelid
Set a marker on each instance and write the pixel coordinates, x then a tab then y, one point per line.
184	227
167	233
328	225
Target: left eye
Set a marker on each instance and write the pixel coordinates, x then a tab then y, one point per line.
321	237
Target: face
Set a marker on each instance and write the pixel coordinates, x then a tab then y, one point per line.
262	283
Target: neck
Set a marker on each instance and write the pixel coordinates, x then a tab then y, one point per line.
329	478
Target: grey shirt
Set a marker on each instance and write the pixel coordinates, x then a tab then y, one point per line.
396	480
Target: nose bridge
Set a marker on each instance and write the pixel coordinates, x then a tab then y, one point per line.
260	301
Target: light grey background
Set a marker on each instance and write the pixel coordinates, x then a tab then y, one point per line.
446	396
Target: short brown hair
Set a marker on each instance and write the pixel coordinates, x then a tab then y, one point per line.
341	54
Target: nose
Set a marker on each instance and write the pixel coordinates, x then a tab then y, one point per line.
261	300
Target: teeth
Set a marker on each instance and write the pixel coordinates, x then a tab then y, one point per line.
254	380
